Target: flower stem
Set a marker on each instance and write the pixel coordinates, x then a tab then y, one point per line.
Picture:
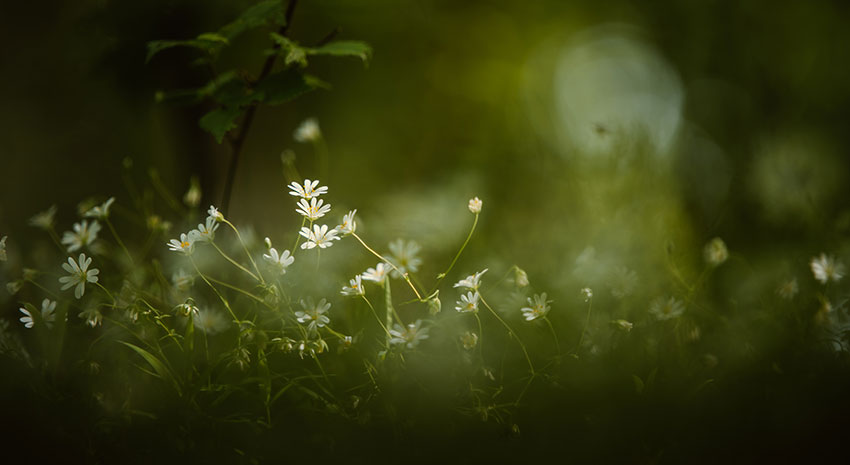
404	275
584	329
512	333
245	248
234	262
377	317
452	264
221	297
554	335
118	239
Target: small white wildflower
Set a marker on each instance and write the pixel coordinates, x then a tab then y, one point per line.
92	316
313	314
313	210
355	287
3	257
472	281
268	243
410	336
215	214
827	268
624	325
192	197
45	219
538	308
434	304
309	190
82	236
186	244
348	225
665	309
469	340
210	321
100	211
206	231
48	315
320	236
188	308
308	131
475	205
715	252
788	289
520	277
587	293
377	274
80	274
404	257
182	281
468	302
279	261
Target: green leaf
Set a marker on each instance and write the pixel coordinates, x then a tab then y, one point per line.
208	42
351	48
158	366
265	376
260	14
291	51
219	121
286	85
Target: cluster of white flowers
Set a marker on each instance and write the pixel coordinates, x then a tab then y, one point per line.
48	315
469	302
205	232
311	207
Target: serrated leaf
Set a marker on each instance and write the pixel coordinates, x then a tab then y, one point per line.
158	366
284	86
207	42
261	14
352	48
219	121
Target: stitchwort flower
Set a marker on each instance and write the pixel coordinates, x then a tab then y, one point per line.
665	309
468	302
279	261
309	190
307	131
313	210
827	268
472	281
320	236
45	219
214	213
92	316
355	287
313	314
475	205
404	257
100	211
348	225
409	336
377	274
206	231
80	274
82	236
48	315
538	307
186	244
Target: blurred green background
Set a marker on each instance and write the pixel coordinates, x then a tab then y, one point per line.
600	135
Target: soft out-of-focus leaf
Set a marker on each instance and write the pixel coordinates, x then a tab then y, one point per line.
219	121
158	366
284	86
350	48
261	14
207	42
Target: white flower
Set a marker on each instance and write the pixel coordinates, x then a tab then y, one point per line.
410	336
308	190
82	236
472	281
79	275
92	316
215	214
313	210
47	314
520	277
355	287
100	211
623	282
3	249
319	236
44	220
182	281
665	309
538	308
308	131
827	268
475	205
313	314
587	293
623	325
377	274
206	232
469	340
348	224
715	252
788	289
468	302
210	321
279	261
186	244
404	257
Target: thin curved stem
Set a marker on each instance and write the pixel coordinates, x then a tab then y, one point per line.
234	262
512	333
245	248
118	239
404	275
584	329
554	335
221	297
452	264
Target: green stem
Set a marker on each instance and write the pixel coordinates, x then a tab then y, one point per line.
404	275
245	248
374	312
511	332
118	239
221	297
234	262
443	275
586	324
554	335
